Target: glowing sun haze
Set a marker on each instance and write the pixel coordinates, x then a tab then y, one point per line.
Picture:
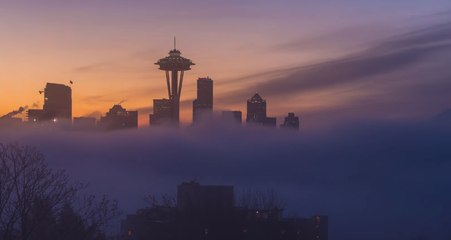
109	49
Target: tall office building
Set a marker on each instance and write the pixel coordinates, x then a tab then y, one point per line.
162	112
58	101
119	118
256	112
203	105
57	105
291	122
174	66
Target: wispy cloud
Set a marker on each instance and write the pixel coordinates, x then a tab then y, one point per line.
402	66
104	66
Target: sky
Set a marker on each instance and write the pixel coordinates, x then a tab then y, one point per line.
108	48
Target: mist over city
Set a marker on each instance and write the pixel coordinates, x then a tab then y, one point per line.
225	120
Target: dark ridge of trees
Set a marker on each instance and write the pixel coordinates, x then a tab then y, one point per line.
38	202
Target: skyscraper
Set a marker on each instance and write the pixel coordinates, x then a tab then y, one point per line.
256	112
57	104
58	101
291	122
175	66
256	109
203	105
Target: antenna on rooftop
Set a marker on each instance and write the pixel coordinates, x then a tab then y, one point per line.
175	42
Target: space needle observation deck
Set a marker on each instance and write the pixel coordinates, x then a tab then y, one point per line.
175	66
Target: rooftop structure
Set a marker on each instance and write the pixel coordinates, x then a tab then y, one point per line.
119	118
256	112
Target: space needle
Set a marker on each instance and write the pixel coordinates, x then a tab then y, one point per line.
175	66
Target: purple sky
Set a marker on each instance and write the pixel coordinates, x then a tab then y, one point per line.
109	47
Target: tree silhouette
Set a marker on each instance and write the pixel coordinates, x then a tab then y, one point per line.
35	199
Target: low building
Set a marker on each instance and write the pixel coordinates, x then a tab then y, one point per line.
162	113
209	212
36	115
291	122
119	118
193	196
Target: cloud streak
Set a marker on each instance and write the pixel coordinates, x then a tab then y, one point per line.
400	66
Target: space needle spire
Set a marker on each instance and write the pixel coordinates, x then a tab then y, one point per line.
174	66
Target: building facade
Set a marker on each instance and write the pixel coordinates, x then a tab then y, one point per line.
256	112
162	113
209	212
57	105
291	122
119	118
203	104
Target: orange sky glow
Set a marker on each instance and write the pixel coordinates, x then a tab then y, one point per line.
109	51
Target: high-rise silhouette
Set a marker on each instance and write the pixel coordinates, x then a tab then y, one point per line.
57	104
256	112
203	105
175	66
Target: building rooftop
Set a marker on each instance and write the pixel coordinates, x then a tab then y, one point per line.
256	99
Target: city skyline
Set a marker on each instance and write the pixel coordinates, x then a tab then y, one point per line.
219	120
57	107
103	66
